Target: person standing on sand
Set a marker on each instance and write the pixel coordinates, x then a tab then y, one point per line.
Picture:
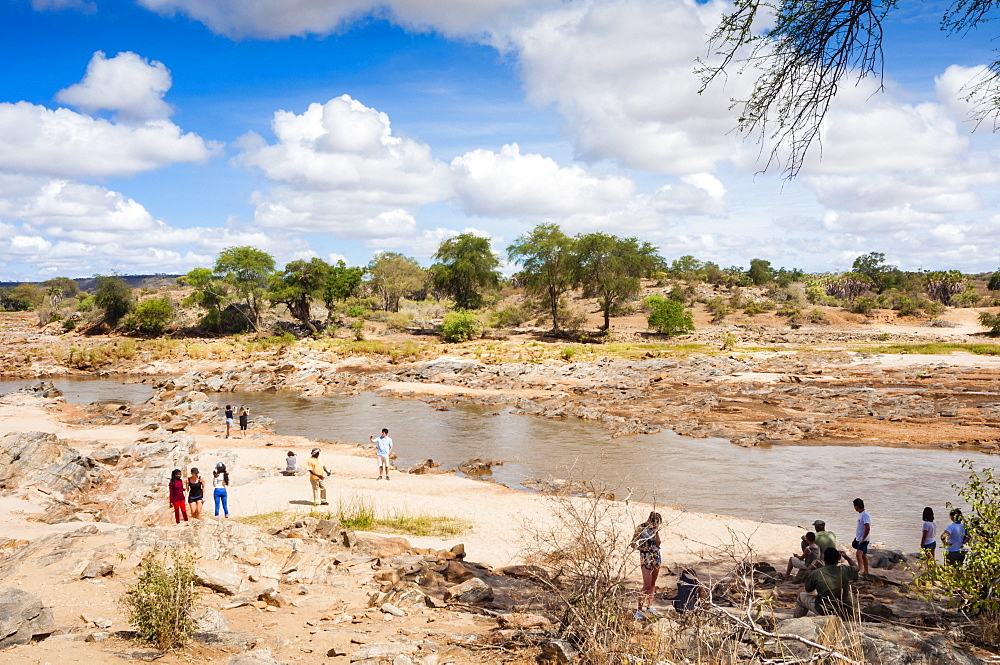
862	535
244	421
229	420
383	448
955	537
317	473
177	496
196	493
927	531
220	480
647	541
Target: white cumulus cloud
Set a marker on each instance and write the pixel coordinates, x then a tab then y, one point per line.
127	84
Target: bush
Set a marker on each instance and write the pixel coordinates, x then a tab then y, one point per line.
991	321
150	317
161	603
863	305
668	317
459	326
399	321
356	310
718	308
753	308
68	324
511	317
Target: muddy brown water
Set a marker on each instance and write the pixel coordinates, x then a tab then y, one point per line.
781	484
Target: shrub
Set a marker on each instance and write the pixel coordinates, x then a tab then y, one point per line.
359	330
151	316
753	308
567	353
991	321
668	317
863	305
399	320
161	603
967	299
356	310
511	317
68	324
459	326
718	308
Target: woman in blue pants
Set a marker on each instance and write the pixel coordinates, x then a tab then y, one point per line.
220	480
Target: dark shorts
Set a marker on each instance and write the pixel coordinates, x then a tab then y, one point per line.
929	546
861	547
955	558
192	499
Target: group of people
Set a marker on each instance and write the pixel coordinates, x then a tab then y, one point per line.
190	491
244	415
827	583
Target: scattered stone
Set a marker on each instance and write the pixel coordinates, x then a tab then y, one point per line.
262	656
222	581
389	608
97	636
557	652
478	466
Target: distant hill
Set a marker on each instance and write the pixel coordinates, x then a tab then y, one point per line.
134	281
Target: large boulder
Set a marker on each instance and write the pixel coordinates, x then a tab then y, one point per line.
894	645
23	619
827	631
470	591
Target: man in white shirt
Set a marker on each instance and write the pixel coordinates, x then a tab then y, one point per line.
862	534
383	448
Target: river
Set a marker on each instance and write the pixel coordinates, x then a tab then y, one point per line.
782	484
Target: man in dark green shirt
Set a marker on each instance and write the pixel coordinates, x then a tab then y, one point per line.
832	584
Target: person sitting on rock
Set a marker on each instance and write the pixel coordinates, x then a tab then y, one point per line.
826	539
832	584
290	464
809	556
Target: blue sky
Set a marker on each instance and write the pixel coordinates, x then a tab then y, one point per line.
146	136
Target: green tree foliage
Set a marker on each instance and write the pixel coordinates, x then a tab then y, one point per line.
611	268
760	271
393	276
974	586
151	316
298	285
466	268
21	298
848	286
67	287
873	266
991	321
162	603
545	255
342	282
246	271
994	284
209	292
113	297
668	317
942	285
809	49
459	326
687	267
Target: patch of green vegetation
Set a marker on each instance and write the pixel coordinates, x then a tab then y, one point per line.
936	348
360	514
272	520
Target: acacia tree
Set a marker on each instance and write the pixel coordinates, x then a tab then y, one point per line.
466	267
297	285
873	266
994	284
546	256
341	283
811	50
246	270
611	267
208	293
114	297
760	271
394	276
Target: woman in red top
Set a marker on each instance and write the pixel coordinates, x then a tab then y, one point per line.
177	496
